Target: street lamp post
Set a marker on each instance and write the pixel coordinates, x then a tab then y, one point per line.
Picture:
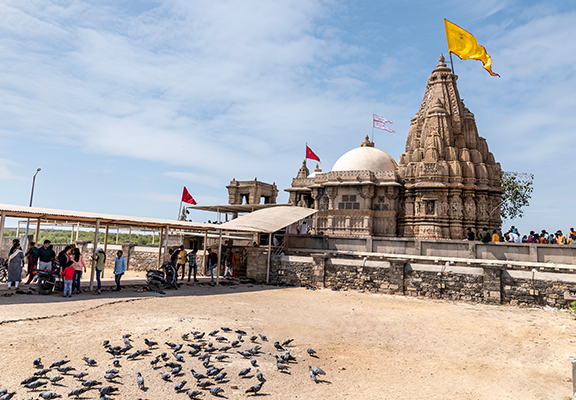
28	221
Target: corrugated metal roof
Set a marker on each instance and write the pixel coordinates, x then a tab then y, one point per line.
105	219
236	208
268	220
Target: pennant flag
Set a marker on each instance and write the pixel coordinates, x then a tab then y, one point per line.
380	123
465	46
311	155
186	198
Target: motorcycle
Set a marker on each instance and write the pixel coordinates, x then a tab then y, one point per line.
165	277
47	280
3	270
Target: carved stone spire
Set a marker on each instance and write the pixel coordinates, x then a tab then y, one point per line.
303	171
367	142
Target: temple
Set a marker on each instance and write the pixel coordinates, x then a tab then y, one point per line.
446	181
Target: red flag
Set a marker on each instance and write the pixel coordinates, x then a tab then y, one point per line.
311	155
186	198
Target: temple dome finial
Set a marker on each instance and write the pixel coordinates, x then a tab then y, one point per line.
367	142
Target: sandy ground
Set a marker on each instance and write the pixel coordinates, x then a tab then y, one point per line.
370	346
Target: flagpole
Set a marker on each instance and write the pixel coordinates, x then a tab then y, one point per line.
451	62
180	210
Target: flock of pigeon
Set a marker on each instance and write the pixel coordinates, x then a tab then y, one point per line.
214	351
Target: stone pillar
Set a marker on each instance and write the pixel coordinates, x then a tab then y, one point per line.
492	284
397	276
319	269
127	249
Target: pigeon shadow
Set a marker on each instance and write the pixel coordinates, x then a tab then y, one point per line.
259	394
144	389
285	372
248	376
323	381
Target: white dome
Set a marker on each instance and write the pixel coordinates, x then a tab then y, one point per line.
365	158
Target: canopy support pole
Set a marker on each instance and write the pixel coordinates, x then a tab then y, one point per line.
205	252
219	257
2	222
37	232
269	257
166	240
72	234
160	238
77	230
93	271
105	247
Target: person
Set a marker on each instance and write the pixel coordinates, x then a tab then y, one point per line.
68	273
560	238
16	256
469	234
524	239
513	237
192	264
100	258
543	239
228	263
79	266
212	262
32	258
45	256
303	228
531	238
119	269
237	263
168	257
484	236
64	257
495	236
181	261
572	238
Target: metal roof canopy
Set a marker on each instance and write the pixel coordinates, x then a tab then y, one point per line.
268	220
236	208
49	214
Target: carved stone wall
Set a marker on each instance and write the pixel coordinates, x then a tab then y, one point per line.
251	192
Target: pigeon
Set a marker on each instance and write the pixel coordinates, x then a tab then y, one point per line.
172	364
195	346
198	376
176	371
125	349
206	362
65	369
311	352
225	348
127	335
106	343
315	371
280	366
42	372
35	384
165	376
105	397
255	389
185	336
244	372
143	352
194	352
49	395
112	371
179	386
244	354
287	342
154	361
239	338
59	363
210	349
221	357
318	371
213	333
260	376
107	390
287	356
255	349
77	392
263	337
216	390
140	381
7	396
132	356
37	362
178	357
178	348
89	361
204	356
235	343
169	344
226	329
3	391
221	339
220	376
80	375
110	377
54	379
193	393
278	346
240	332
253	338
213	371
91	383
116	362
30	379
199	336
253	361
203	384
150	343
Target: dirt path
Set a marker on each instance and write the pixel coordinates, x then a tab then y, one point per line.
371	346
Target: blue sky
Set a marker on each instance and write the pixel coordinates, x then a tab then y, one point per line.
121	103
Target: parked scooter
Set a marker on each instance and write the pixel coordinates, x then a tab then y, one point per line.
47	280
166	277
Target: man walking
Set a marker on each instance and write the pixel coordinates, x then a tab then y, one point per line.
181	261
119	269
213	263
45	256
191	264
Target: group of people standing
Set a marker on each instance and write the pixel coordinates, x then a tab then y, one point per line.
513	236
70	260
179	257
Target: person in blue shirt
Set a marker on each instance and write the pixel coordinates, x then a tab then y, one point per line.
119	269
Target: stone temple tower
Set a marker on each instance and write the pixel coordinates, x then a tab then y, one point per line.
451	180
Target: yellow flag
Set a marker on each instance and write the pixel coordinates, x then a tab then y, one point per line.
465	46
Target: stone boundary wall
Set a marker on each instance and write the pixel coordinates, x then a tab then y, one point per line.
523	252
425	276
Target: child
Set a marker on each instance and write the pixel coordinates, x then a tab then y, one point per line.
68	279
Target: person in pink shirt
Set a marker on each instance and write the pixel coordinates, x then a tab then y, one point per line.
79	266
68	280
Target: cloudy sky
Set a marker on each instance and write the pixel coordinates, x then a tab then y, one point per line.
122	103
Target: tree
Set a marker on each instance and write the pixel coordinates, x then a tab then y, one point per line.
517	190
